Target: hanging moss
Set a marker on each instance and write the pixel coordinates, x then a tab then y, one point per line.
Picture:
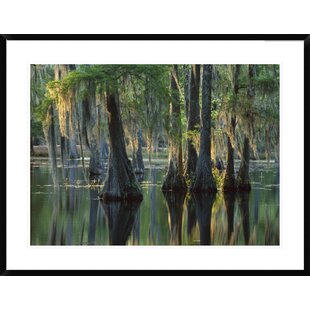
50	137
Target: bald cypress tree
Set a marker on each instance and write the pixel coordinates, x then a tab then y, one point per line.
229	179
204	181
120	183
174	179
243	179
193	122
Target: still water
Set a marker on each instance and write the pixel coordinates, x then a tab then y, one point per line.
73	215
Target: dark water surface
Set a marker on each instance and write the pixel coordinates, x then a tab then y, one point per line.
73	215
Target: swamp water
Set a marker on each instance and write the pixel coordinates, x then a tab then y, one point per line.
73	215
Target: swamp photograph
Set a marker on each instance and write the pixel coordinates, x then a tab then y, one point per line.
154	154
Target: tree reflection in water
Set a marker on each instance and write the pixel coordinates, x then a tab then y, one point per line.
191	214
203	204
121	216
71	203
93	216
243	200
72	200
229	200
175	202
136	225
153	226
71	214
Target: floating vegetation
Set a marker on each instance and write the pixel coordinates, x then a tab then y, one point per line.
273	185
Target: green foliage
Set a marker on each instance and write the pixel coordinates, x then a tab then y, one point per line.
40	75
145	95
218	178
111	75
39	112
194	136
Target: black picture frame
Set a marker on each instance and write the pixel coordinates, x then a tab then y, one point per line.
272	37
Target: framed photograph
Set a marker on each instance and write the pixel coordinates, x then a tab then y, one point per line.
155	154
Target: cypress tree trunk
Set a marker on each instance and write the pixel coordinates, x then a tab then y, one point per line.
63	152
149	132
229	184
187	72
229	179
73	152
204	181
60	71
155	142
174	179
139	157
193	122
81	148
104	148
243	179
267	143
120	183
187	89
91	130
101	119
31	146
95	166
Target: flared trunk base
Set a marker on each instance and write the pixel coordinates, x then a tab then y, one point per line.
125	196
244	187
174	181
229	185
